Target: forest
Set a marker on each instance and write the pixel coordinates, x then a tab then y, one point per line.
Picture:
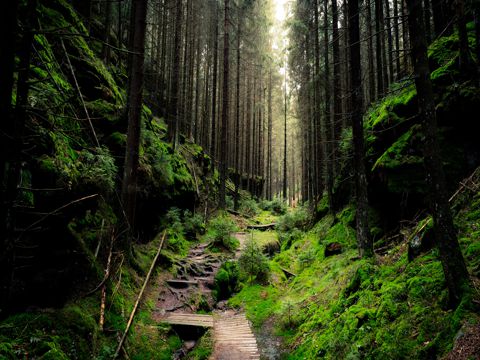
239	179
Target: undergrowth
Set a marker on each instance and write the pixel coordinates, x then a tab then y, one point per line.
340	307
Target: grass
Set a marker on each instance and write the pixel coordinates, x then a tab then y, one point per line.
343	307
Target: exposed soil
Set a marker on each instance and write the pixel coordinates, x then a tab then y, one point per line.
191	289
269	344
467	344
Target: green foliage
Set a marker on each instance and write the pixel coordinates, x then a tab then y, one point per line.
182	226
219	232
253	264
249	207
296	219
97	169
203	349
260	302
391	109
290	226
342	307
226	280
276	206
400	153
163	171
193	224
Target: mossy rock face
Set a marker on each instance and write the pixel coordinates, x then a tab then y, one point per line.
395	139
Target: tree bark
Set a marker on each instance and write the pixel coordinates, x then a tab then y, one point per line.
337	89
363	236
174	126
130	175
225	111
456	274
379	47
214	87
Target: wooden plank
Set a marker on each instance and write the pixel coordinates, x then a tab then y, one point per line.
188	319
234	338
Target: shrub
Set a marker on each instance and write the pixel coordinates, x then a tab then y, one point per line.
193	224
276	206
249	207
297	219
290	226
253	264
219	232
226	280
176	239
174	221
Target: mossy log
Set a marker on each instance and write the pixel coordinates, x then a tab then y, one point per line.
262	227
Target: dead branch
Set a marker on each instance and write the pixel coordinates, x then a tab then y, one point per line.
101	321
80	94
135	307
58	209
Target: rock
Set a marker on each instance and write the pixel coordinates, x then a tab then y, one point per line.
271	248
420	243
222	305
333	248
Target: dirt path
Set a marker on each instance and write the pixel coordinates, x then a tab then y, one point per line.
191	290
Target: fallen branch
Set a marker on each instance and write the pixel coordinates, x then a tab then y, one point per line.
58	209
101	321
132	314
80	93
288	273
262	227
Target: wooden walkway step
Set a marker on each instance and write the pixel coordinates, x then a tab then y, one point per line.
234	339
188	319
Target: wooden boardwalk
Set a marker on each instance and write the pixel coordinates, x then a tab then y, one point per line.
234	339
233	336
188	319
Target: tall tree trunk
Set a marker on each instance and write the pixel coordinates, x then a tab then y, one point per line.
363	236
396	31
465	63
439	17
270	128
405	39
130	175
174	126
106	35
11	130
337	89
371	70
379	47
456	274
285	138
319	124
238	172
389	42
328	135
225	111
428	28
476	16
214	87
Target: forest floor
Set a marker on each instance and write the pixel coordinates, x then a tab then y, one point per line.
185	300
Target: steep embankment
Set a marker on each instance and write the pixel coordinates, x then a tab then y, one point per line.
338	306
68	214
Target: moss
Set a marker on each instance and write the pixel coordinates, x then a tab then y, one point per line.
392	109
401	152
203	349
259	302
337	307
